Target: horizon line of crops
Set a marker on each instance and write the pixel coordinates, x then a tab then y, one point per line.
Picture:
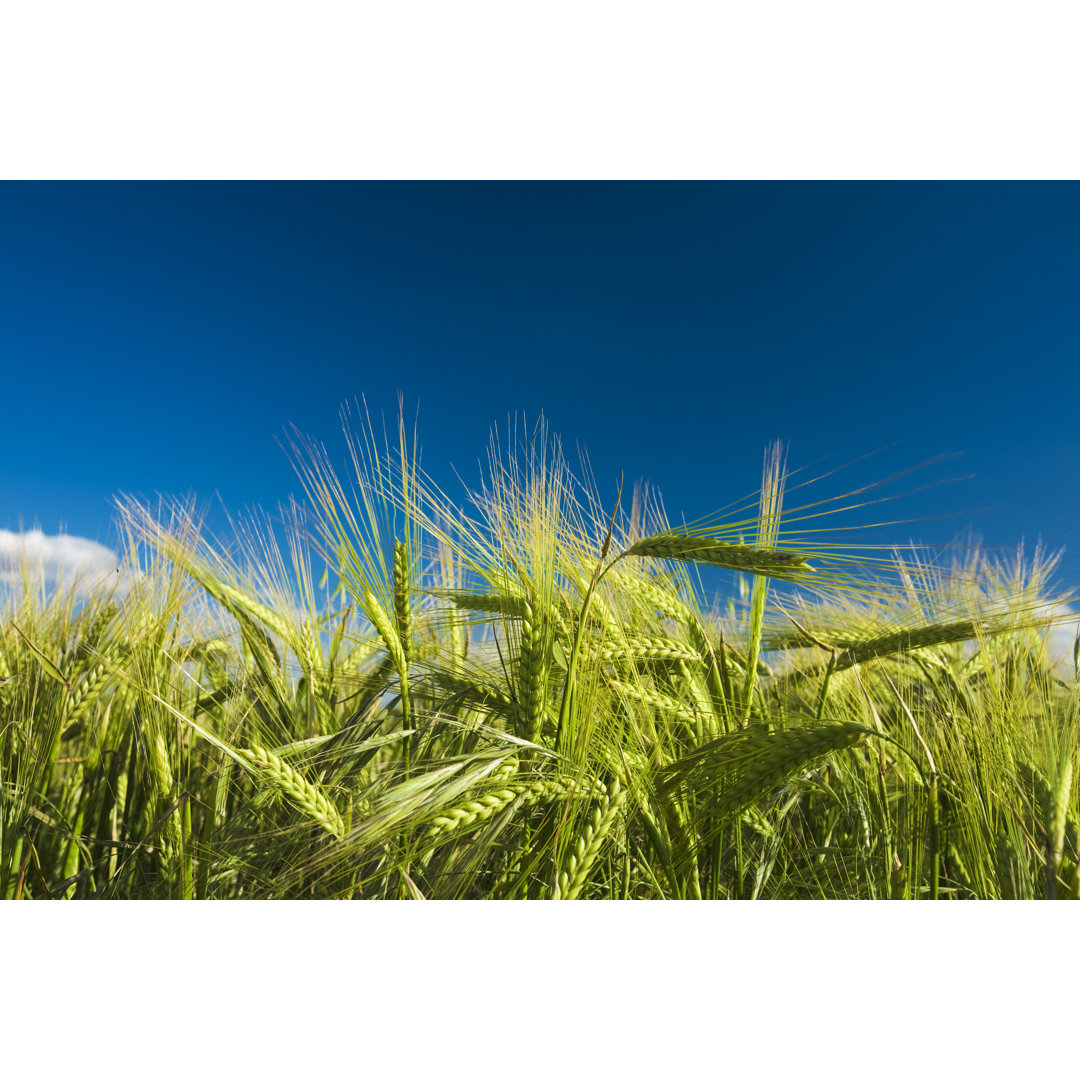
527	696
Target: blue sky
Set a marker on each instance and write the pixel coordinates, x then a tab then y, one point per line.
158	337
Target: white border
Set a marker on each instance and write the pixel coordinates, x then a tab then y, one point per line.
425	89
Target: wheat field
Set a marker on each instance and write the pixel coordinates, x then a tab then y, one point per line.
529	693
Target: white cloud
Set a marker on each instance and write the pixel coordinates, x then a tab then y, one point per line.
1062	635
49	560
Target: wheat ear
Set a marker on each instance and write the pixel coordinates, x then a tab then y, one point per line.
487	806
532	668
245	607
493	603
903	641
301	792
402	606
647	648
736	770
665	705
654	597
1060	810
569	882
84	692
387	631
769	562
1053	805
492	802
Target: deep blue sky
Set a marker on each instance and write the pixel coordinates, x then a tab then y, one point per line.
157	337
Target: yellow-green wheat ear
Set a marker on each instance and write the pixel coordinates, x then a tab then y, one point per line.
402	598
295	787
